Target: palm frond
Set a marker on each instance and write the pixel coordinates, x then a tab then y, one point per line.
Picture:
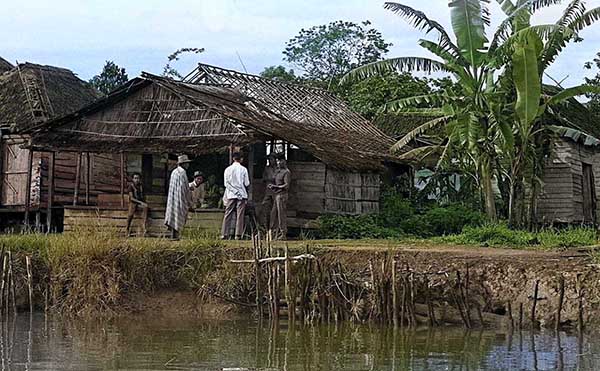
420	21
400	64
417	131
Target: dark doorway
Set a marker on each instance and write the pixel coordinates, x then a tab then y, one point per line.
147	176
589	194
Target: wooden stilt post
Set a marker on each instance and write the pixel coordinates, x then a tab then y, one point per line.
77	180
50	192
28	186
122	168
87	178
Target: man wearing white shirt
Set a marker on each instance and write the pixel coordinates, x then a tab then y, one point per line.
236	196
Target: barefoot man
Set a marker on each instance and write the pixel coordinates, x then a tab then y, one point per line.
179	199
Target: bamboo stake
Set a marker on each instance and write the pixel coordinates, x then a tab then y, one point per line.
510	315
579	303
394	295
29	282
520	316
412	300
256	242
12	282
403	305
4	274
535	299
288	295
561	298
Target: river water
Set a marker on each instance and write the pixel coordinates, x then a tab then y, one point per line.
147	343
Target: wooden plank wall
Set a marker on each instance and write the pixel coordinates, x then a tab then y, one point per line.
351	193
14	173
307	190
104	177
115	220
562	194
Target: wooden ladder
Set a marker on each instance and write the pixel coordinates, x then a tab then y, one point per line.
38	100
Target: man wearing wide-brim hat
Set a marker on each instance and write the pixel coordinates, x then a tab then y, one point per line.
179	198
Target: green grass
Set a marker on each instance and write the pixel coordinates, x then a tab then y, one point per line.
499	235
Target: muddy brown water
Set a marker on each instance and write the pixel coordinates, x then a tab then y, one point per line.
149	343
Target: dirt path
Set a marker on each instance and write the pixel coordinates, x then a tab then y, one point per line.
427	248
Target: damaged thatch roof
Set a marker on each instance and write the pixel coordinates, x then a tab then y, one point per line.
31	93
162	115
5	65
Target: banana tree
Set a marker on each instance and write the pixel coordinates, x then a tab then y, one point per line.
483	120
531	50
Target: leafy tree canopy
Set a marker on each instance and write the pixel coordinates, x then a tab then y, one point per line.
279	73
594	103
111	77
368	97
326	52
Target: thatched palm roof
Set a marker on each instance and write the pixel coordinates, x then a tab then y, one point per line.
31	93
201	117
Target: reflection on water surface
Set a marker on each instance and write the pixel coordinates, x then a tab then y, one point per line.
147	343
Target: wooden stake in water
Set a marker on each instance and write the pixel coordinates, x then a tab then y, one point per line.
394	295
535	299
12	282
29	282
561	298
291	301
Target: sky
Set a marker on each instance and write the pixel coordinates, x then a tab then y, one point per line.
139	34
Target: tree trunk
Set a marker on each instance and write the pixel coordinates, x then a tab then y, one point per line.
488	191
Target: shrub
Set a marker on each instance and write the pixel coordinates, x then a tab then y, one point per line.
354	227
440	221
394	210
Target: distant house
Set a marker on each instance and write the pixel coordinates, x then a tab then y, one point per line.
571	179
336	156
29	95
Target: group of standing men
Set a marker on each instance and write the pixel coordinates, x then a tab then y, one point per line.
277	178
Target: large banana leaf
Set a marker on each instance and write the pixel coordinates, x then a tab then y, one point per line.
400	64
527	79
433	99
587	19
573	92
468	23
420	21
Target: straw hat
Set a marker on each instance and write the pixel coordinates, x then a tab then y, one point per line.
183	159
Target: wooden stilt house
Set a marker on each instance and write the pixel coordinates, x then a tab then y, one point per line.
29	95
336	156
